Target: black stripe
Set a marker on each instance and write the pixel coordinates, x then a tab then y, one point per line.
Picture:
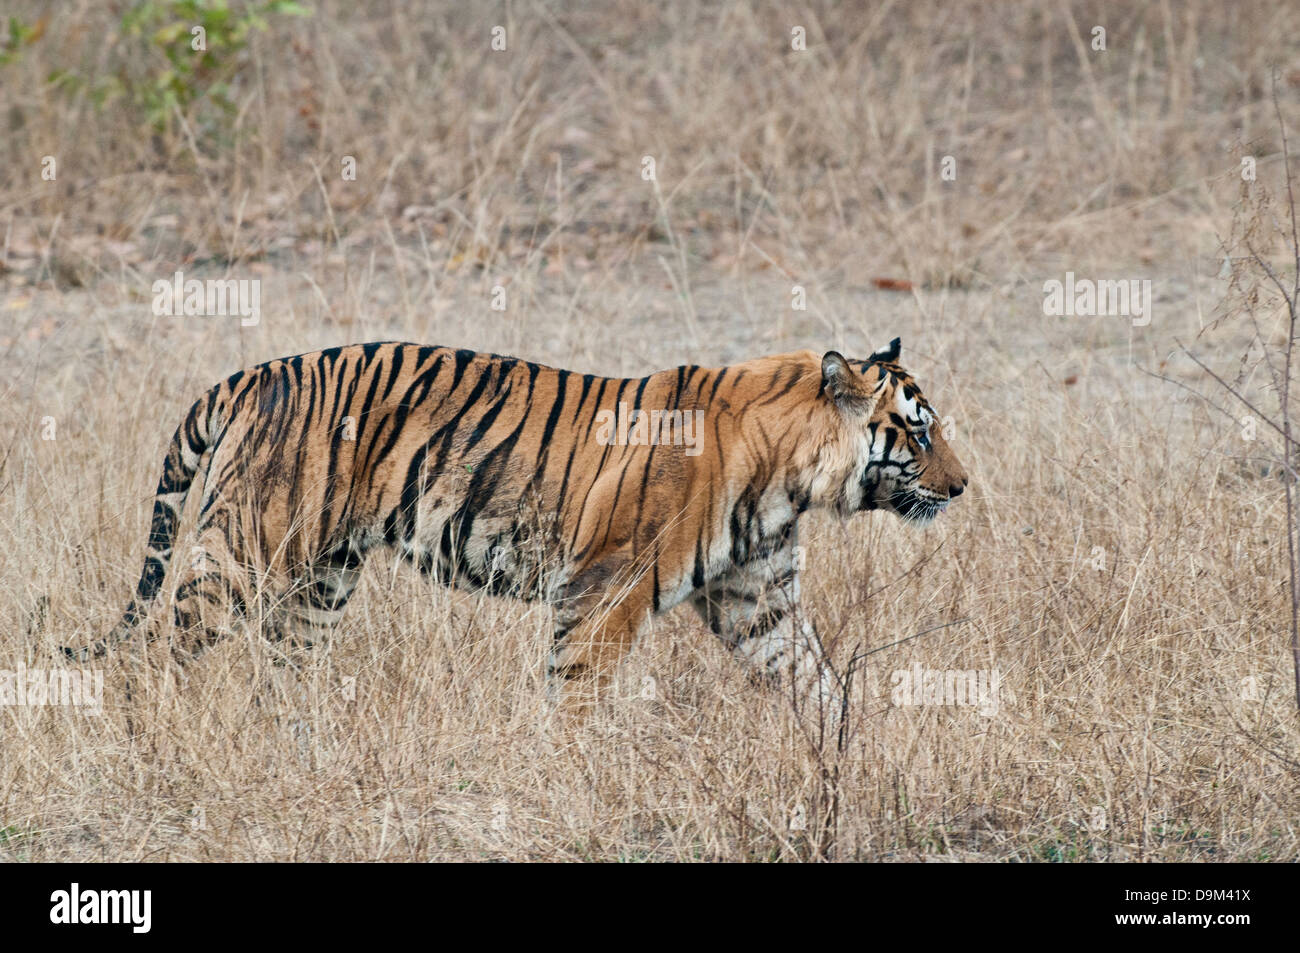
162	530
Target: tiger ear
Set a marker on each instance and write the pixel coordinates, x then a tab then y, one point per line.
843	386
890	354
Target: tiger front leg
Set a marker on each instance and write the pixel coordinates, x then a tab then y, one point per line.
754	610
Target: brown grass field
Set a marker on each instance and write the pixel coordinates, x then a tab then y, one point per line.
1120	558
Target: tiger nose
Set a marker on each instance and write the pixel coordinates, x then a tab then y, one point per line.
956	489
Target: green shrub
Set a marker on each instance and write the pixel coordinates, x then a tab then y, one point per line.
177	57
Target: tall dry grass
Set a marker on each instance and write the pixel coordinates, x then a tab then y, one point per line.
1119	557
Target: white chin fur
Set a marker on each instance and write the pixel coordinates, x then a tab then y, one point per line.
924	515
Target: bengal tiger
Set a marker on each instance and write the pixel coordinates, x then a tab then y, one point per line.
610	498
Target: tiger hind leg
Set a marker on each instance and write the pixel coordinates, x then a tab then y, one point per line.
212	598
314	604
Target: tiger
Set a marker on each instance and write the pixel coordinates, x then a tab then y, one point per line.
612	499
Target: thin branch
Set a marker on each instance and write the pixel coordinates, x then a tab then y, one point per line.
1235	393
862	655
1191	390
1268	270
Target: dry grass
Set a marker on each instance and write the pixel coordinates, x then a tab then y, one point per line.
1124	731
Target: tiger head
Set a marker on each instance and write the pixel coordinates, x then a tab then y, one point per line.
897	458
